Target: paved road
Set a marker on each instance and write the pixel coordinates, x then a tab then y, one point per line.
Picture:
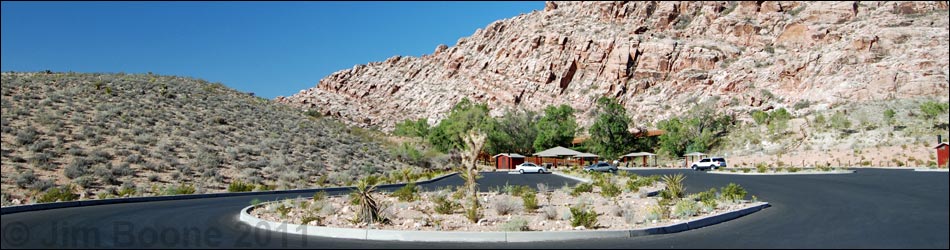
869	209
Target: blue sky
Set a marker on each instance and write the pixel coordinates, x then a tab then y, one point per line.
268	48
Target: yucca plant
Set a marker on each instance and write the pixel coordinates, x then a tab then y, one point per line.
368	208
674	187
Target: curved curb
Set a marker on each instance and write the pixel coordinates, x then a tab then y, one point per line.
83	203
784	173
444	236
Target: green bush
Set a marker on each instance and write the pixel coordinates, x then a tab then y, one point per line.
180	189
407	192
609	190
635	183
514	225
657	212
56	194
761	168
685	208
530	201
283	210
582	188
445	206
238	186
582	216
708	197
318	196
733	192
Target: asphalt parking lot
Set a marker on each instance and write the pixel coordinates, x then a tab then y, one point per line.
868	209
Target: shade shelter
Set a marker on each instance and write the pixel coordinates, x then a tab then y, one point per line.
587	157
693	157
508	161
631	157
556	153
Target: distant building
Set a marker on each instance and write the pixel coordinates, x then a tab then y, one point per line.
508	161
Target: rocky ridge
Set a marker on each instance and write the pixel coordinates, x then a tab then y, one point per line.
659	59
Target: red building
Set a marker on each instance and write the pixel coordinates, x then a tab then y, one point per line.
508	161
943	153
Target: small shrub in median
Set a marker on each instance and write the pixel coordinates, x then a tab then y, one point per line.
549	212
708	198
515	224
506	205
656	213
609	190
582	188
685	208
582	216
674	186
733	192
530	201
407	192
445	206
311	218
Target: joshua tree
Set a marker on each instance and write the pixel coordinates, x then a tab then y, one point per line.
474	141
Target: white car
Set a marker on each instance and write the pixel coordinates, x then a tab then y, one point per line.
709	163
530	168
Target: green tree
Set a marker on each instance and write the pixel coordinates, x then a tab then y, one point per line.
556	128
699	131
760	117
514	132
465	115
417	128
778	121
609	137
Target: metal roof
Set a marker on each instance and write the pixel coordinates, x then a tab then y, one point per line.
695	154
638	154
556	152
512	155
586	155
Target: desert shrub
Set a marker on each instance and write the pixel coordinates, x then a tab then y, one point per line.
368	208
40	145
515	224
127	191
543	188
443	205
609	190
582	188
239	186
582	216
319	196
41	185
283	210
407	192
180	189
656	213
84	181
675	189
311	218
505	205
549	212
708	197
25	179
26	136
64	193
733	192
685	208
78	167
530	201
635	183
123	169
761	168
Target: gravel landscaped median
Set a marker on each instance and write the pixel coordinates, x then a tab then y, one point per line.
624	205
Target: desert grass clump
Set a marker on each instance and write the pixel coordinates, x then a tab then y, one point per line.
239	186
529	200
64	193
549	212
407	192
444	205
733	192
515	225
505	205
582	188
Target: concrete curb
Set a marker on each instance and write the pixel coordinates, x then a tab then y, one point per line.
783	173
442	236
584	180
932	170
83	203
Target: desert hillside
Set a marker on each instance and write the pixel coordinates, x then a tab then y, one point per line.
659	59
116	134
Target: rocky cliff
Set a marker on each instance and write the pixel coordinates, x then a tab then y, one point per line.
659	59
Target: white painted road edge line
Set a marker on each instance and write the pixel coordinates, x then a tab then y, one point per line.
584	180
784	173
932	170
445	236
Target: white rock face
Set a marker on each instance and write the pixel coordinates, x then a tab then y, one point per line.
659	59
